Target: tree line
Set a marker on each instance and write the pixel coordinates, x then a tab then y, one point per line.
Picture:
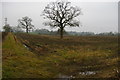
59	14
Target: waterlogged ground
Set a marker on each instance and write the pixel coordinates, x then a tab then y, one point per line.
52	57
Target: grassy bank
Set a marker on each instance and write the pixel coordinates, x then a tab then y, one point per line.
18	62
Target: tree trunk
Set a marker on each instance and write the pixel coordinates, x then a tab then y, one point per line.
26	29
61	32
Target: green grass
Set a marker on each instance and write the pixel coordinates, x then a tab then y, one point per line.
18	62
49	56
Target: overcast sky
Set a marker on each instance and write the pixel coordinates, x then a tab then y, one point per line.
97	16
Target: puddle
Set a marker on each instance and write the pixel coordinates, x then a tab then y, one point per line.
65	77
26	46
87	73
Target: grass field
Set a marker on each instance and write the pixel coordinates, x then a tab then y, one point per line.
43	56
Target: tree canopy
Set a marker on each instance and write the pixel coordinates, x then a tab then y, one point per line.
26	23
61	14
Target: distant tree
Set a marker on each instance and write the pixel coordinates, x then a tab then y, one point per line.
64	32
111	33
26	23
61	14
7	28
17	29
42	31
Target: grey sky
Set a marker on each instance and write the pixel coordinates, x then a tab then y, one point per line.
97	16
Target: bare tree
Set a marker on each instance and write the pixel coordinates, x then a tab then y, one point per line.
61	14
26	23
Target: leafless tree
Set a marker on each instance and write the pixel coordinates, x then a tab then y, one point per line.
61	14
26	23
